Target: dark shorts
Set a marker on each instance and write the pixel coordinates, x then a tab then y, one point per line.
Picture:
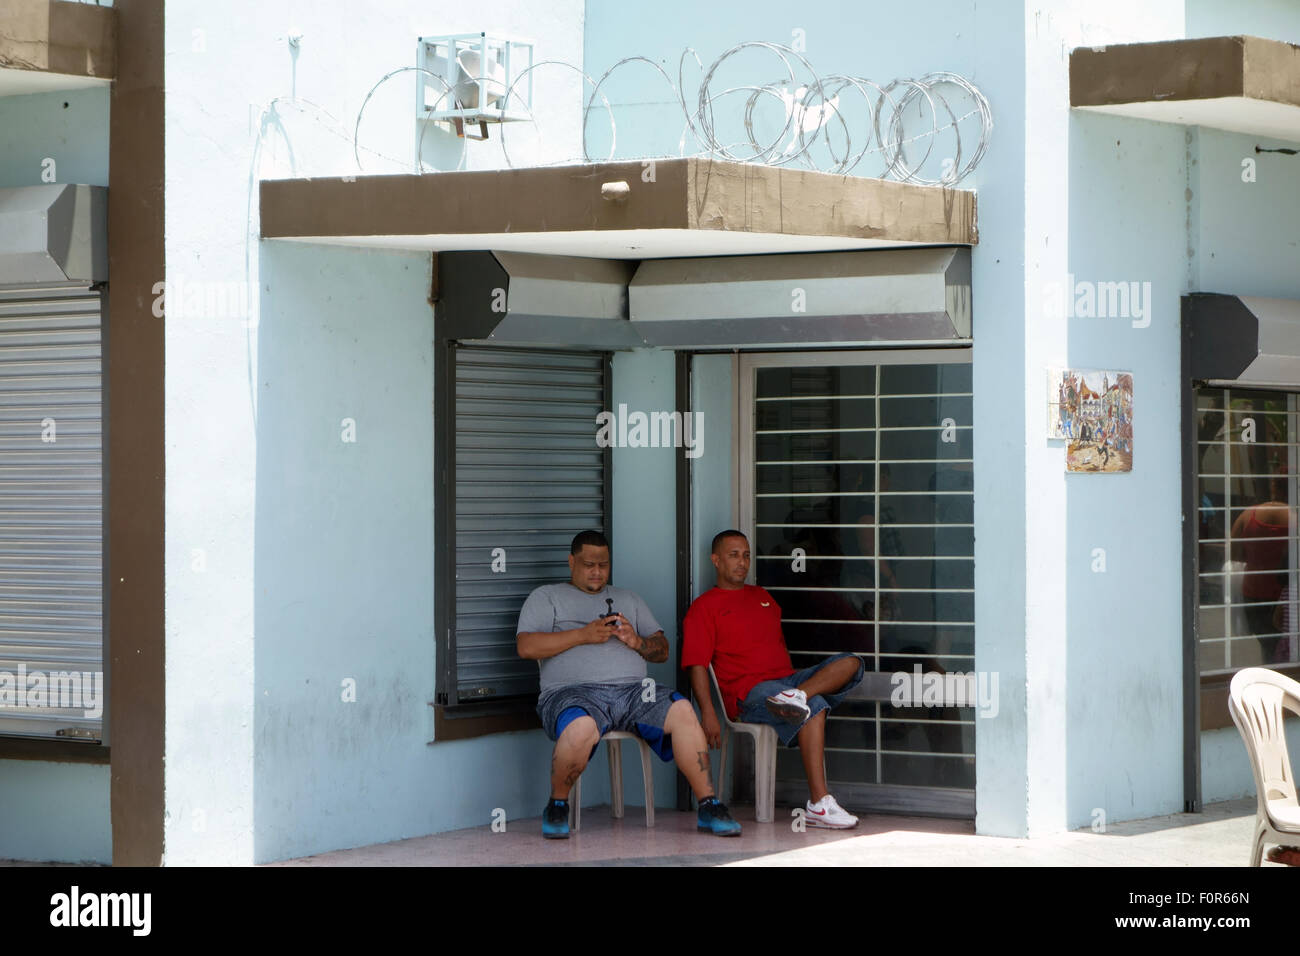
613	707
753	709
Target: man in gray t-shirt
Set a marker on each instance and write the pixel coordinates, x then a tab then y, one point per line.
592	642
566	607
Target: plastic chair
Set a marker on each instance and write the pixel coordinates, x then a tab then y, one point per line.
764	756
614	752
1257	698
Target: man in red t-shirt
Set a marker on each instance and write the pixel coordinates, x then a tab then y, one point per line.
736	627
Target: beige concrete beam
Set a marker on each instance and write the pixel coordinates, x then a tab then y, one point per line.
56	36
689	202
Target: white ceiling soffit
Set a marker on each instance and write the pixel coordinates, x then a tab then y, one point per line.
56	233
632	244
1229	113
890	296
23	82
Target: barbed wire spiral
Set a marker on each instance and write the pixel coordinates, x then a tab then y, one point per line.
901	114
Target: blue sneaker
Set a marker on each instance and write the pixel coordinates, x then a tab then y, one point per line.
716	818
555	820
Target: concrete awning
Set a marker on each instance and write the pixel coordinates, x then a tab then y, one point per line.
693	207
1241	84
48	45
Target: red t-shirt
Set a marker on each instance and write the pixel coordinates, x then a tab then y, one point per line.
739	633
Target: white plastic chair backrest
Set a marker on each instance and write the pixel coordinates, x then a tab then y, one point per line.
1259	699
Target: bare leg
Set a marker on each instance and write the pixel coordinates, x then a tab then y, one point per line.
812	748
572	751
690	749
831	678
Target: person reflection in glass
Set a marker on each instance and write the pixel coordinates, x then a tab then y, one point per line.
1260	538
865	539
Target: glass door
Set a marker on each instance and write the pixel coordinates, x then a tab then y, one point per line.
856	488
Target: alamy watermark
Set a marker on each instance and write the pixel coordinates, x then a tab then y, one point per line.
1084	299
624	429
183	298
65	690
936	689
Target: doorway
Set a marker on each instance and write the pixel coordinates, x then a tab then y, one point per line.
856	489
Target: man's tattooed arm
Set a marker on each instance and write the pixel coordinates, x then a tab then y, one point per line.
654	648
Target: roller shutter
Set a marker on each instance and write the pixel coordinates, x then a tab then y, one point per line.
528	477
51	514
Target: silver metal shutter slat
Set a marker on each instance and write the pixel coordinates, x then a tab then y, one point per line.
529	476
51	500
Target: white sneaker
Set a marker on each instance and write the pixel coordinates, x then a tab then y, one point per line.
790	705
827	813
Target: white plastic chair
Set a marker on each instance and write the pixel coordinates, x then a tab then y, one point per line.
614	753
1257	698
764	756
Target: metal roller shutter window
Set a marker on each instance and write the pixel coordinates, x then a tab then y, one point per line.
51	514
529	476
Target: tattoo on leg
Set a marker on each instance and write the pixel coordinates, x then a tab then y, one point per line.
703	756
572	778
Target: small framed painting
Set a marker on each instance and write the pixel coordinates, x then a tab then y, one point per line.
1092	411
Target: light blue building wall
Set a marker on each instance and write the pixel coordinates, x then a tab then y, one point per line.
54	137
1276	19
344	564
298	561
713	474
644	540
1122	534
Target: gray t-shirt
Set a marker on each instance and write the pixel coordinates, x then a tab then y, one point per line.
563	607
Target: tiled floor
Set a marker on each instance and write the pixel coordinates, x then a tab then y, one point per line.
1218	837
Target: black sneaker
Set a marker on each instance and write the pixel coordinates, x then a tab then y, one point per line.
714	816
555	820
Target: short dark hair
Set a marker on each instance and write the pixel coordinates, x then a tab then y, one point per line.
593	538
724	535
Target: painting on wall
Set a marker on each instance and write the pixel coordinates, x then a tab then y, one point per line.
1092	411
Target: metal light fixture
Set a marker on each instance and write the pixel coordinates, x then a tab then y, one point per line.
469	79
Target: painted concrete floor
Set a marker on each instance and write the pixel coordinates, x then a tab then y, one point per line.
1218	837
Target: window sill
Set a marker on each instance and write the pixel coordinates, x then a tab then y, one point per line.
480	720
1214	697
56	751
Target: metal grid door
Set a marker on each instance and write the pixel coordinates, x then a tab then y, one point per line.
857	491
